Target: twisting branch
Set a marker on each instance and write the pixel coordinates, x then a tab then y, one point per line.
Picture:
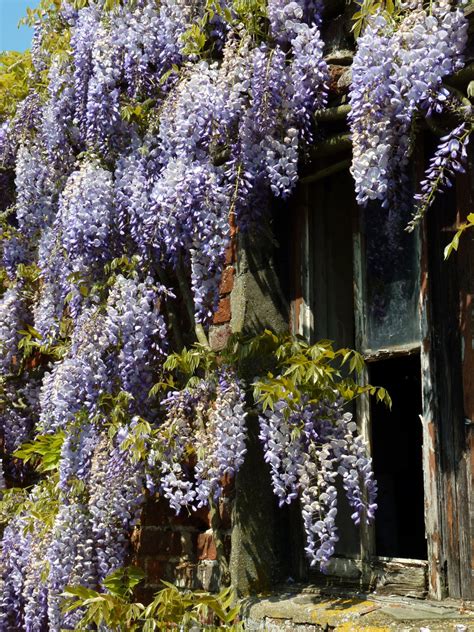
332	145
326	172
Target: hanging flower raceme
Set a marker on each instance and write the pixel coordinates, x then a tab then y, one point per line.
85	217
448	160
13	317
396	70
308	447
13	561
201	441
116	497
76	383
136	329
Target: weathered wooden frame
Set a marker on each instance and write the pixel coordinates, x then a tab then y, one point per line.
449	524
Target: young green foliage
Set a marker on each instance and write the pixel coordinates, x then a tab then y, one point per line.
15	81
171	608
454	243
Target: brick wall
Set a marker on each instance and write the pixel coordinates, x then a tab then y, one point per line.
180	548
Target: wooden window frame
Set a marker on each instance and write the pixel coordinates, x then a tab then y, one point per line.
446	572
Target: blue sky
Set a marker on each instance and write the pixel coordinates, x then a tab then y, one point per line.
12	38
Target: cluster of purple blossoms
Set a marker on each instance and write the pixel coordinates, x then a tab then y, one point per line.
448	159
13	560
308	448
224	436
396	70
86	216
175	481
136	329
116	497
13	317
283	450
58	132
207	141
76	383
71	559
208	423
34	182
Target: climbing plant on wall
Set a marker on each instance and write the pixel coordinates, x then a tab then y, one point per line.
134	135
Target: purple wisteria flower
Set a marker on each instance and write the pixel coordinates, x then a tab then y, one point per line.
308	447
448	160
396	70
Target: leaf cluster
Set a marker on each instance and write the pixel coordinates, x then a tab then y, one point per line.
15	81
366	8
171	608
244	17
280	367
55	36
454	243
43	453
316	372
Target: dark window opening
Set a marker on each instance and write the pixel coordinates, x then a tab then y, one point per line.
397	455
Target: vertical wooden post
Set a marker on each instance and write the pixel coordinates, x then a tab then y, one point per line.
367	532
446	378
431	475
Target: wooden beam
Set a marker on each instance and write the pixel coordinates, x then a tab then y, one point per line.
328	171
333	145
337	113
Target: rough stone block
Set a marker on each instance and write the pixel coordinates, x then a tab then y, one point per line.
219	336
208	575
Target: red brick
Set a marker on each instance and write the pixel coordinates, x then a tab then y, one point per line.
165	543
230	254
222	314
154	569
227	281
206	547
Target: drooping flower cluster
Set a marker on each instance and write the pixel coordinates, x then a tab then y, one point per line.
308	447
449	159
202	441
397	71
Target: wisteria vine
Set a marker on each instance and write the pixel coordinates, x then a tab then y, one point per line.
397	74
148	131
140	141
